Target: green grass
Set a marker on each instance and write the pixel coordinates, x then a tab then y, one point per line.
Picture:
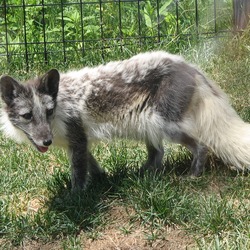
37	207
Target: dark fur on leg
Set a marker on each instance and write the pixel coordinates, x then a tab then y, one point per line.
199	152
154	161
199	161
78	153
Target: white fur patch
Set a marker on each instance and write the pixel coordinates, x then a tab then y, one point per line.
212	121
147	125
10	131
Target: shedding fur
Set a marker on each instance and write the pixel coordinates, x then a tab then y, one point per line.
150	97
212	121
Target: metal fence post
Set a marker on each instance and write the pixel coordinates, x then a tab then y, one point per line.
241	12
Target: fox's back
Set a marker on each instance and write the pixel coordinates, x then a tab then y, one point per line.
142	83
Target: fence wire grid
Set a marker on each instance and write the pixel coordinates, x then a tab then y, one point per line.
47	32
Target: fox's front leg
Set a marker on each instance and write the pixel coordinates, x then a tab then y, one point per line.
78	153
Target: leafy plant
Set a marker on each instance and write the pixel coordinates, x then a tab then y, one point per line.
63	33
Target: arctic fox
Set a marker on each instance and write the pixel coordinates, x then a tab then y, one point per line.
150	97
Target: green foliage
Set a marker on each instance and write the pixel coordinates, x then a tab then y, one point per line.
67	33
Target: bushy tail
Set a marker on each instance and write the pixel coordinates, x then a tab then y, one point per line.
217	125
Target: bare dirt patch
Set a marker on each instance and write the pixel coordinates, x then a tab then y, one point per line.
122	234
171	239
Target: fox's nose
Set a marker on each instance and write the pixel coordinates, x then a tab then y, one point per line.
47	142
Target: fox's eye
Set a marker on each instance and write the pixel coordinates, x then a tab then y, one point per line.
49	112
27	116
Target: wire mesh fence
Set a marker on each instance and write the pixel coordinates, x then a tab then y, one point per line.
52	32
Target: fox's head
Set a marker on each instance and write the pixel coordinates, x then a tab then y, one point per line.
28	109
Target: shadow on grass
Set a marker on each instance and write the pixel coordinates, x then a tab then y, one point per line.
71	212
86	209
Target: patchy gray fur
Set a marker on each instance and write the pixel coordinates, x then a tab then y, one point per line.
149	97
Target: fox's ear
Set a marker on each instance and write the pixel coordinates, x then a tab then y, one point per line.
49	83
9	88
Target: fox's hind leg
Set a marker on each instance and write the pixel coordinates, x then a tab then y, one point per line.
199	160
155	155
199	152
